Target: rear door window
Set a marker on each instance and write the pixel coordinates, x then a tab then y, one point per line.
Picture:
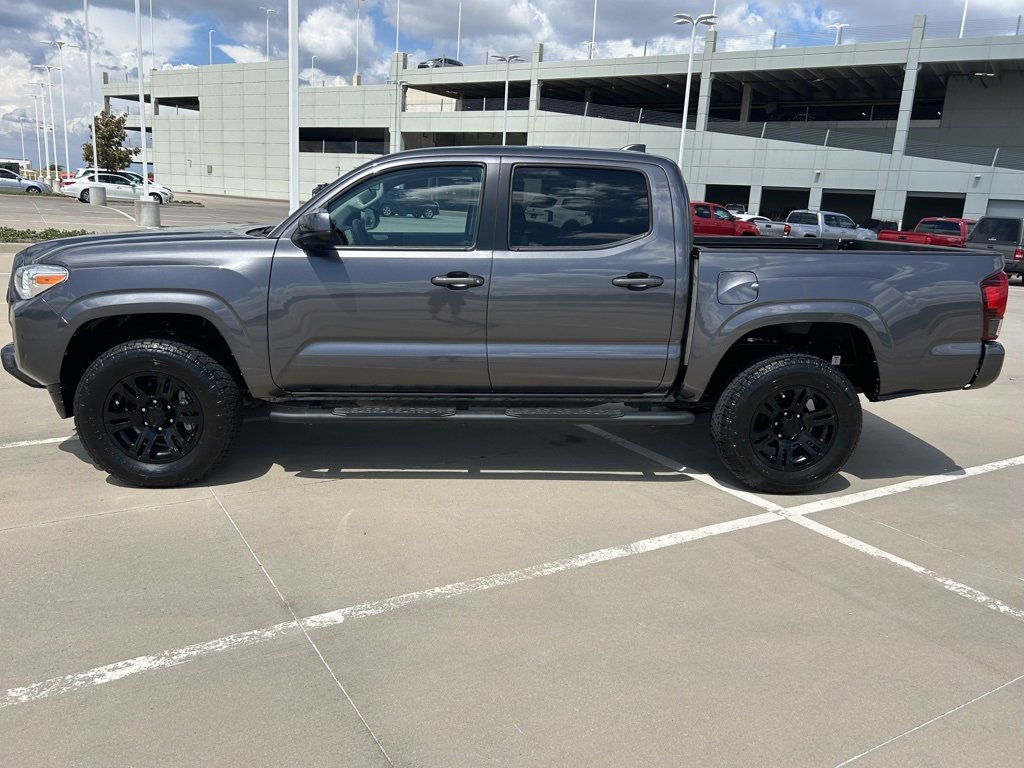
702	211
577	207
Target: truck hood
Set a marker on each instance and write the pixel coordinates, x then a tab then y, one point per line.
135	246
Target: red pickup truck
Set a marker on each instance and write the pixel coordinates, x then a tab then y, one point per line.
713	219
934	230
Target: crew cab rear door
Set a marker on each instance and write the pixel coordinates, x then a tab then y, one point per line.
396	303
587	308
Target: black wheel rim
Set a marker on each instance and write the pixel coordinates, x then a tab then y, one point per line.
794	428
153	417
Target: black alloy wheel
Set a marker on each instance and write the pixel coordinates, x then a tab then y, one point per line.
156	412
787	424
428	213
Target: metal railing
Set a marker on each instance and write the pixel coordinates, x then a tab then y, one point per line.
353	147
493	104
769	39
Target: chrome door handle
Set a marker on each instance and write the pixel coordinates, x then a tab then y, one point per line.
458	281
637	281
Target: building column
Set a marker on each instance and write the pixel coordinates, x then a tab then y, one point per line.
745	101
814	198
535	83
754	199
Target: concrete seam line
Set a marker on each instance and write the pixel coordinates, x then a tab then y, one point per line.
298	623
929	722
118	670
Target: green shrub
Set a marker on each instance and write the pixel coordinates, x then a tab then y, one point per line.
8	235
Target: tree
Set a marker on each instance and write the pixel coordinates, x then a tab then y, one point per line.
110	138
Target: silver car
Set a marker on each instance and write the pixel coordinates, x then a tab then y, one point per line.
9	180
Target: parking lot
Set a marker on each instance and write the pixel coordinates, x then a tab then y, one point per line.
460	595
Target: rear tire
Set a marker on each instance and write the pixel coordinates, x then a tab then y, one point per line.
157	413
428	213
84	196
787	424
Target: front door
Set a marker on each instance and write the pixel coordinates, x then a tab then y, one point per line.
398	302
588	307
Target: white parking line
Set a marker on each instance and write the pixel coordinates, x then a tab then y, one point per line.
119	670
45	441
929	722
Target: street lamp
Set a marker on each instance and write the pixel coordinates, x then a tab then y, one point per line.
142	101
839	31
63	101
685	18
593	33
39	147
358	25
458	34
92	95
268	11
152	43
312	68
45	170
49	84
963	20
211	46
508	59
398	22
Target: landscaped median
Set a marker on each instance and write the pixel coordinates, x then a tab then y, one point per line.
9	235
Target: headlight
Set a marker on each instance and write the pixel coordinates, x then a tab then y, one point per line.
33	279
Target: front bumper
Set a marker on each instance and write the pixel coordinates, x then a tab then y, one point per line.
992	355
10	363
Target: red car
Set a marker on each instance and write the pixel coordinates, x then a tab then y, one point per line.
713	219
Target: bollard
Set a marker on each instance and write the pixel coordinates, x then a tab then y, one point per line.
97	195
147	213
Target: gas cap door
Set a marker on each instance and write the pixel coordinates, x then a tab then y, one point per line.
737	287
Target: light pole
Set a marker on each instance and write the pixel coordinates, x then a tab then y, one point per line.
694	21
39	147
63	100
268	11
92	95
142	102
312	68
398	22
593	33
211	46
963	20
839	31
53	123
458	35
359	25
46	140
152	43
508	59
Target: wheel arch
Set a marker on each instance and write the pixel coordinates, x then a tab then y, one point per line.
95	336
845	340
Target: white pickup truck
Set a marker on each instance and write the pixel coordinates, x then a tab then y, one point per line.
805	223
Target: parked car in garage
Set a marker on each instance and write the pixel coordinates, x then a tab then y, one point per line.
118	187
440	61
765	225
13	182
713	219
806	223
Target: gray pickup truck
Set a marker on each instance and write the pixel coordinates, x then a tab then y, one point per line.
155	341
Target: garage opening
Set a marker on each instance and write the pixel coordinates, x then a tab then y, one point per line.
777	202
922	204
1011	208
855	203
728	194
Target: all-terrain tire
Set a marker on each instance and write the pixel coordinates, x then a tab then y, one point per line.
157	413
787	424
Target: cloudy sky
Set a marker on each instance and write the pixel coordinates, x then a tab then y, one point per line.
427	28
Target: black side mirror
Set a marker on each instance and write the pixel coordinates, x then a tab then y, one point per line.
313	231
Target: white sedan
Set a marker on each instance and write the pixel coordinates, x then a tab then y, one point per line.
118	188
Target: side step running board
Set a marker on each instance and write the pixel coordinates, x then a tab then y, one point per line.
390	413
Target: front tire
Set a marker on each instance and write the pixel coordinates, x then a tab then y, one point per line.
34	190
787	424
157	413
156	198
